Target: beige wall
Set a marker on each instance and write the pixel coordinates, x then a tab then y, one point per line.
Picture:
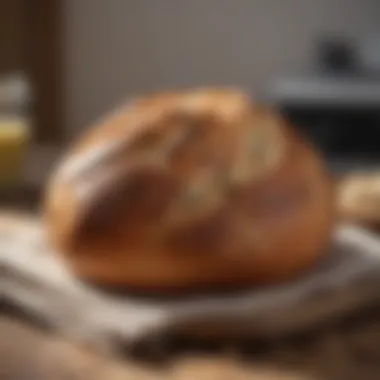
117	48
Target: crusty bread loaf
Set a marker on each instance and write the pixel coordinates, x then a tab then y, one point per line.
359	198
182	191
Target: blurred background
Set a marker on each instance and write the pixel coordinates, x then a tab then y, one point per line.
65	62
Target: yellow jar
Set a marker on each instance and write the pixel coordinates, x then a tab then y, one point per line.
14	138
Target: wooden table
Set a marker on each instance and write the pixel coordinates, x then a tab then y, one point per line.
348	351
27	353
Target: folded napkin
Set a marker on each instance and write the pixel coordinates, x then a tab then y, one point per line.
36	280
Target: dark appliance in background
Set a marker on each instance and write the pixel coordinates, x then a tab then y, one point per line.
337	106
345	133
336	56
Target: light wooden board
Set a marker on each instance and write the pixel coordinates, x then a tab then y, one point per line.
35	279
47	357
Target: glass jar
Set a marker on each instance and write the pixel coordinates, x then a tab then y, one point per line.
15	128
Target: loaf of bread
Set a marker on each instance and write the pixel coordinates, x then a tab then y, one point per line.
190	190
359	198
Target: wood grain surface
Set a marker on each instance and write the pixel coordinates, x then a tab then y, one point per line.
349	350
27	353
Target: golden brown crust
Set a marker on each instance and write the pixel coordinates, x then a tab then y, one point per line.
192	189
359	198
